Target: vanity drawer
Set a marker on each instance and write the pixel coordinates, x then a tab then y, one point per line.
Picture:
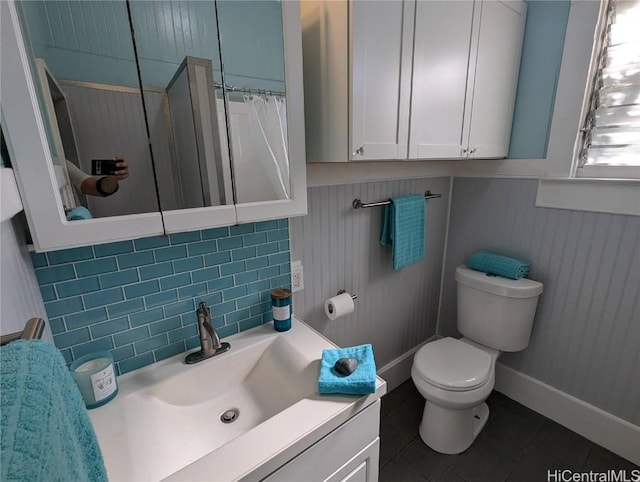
350	452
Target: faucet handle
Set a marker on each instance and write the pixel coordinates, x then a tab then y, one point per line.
204	311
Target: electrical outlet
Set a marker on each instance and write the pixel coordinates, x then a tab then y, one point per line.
297	277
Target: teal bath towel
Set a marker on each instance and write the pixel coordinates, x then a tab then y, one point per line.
499	265
46	432
360	382
403	227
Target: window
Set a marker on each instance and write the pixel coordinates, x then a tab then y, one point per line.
609	143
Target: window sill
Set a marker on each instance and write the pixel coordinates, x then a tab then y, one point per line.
615	196
608	172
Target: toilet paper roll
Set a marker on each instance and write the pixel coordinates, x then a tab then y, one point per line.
338	306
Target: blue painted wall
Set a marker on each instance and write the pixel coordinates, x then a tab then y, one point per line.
539	71
168	31
138	298
84	40
91	41
252	43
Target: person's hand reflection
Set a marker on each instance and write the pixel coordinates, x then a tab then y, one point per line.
123	167
109	184
104	186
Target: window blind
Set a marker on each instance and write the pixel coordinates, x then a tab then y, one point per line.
611	133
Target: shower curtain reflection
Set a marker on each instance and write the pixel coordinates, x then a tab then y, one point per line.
260	148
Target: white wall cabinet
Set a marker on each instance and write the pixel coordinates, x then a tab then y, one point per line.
420	79
441	61
382	34
497	65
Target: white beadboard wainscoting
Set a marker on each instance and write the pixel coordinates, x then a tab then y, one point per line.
339	248
20	297
586	332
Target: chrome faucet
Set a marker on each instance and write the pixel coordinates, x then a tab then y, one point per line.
210	344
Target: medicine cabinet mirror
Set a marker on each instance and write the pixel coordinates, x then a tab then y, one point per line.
201	98
192	94
84	69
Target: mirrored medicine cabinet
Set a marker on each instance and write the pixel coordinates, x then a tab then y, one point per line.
202	99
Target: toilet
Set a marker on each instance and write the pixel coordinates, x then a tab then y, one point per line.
455	376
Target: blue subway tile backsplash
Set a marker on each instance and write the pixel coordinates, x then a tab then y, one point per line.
99	266
110	249
138	298
70	255
53	275
85	318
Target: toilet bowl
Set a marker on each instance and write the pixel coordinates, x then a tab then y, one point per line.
455	376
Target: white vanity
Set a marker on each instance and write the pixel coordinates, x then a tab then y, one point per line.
166	422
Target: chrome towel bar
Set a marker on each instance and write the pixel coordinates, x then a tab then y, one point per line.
32	331
357	203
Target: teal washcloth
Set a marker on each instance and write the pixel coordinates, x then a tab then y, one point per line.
499	265
46	433
403	227
79	213
360	382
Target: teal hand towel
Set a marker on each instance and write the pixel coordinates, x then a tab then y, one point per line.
360	382
46	434
492	263
79	213
403	227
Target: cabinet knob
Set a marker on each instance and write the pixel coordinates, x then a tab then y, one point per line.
359	151
473	151
464	151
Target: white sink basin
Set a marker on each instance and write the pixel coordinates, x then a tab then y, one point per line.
167	415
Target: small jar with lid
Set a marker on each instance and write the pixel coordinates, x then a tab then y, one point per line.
281	306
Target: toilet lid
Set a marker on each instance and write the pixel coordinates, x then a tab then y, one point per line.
453	365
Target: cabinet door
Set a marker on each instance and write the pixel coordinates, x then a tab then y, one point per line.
233	77
381	46
28	132
348	453
358	475
500	36
439	90
363	467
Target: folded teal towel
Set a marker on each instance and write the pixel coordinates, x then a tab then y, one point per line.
403	227
360	382
46	434
79	213
500	265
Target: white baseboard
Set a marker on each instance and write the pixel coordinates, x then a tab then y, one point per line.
611	432
397	371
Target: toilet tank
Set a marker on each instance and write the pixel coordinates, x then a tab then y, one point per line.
494	311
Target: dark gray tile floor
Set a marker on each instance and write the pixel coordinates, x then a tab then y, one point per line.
516	445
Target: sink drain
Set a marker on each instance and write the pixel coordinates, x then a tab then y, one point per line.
230	415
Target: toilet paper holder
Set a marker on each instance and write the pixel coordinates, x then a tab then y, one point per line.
340	305
353	297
